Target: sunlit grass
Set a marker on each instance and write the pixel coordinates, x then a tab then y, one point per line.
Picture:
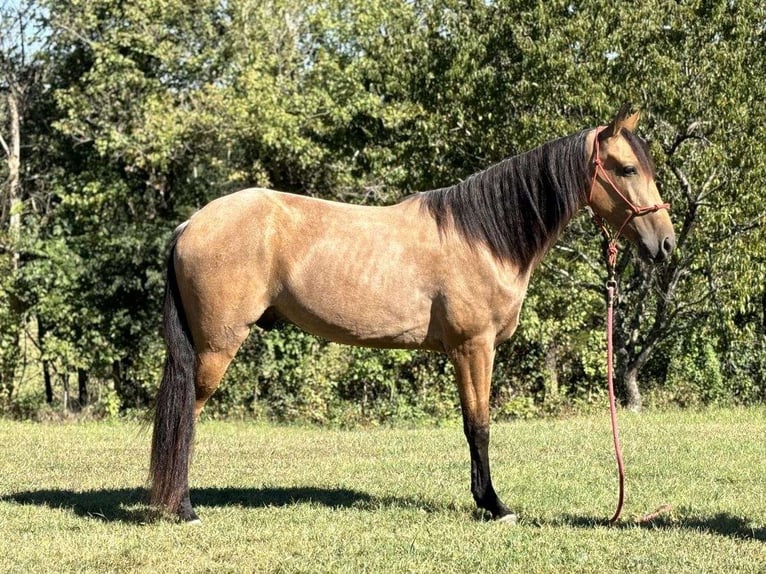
290	499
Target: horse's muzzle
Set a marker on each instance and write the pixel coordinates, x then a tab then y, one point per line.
656	252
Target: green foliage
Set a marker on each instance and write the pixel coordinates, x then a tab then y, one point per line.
696	373
291	376
700	371
10	335
139	112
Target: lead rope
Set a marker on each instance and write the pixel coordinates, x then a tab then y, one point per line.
611	291
611	294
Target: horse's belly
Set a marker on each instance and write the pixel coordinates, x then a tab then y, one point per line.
360	318
379	301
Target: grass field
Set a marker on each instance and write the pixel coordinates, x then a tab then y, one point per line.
276	499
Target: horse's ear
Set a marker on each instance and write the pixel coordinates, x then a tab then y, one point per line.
625	118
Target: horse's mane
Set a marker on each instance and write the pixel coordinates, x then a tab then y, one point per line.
517	207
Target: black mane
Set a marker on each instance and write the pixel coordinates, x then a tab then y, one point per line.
517	207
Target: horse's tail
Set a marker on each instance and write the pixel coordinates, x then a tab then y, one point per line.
174	412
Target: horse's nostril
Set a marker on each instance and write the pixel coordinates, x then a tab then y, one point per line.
667	246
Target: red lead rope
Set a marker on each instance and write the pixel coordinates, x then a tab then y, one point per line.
611	293
611	288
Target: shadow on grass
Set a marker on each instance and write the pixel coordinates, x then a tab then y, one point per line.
130	504
112	505
723	524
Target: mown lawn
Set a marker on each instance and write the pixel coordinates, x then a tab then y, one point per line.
276	499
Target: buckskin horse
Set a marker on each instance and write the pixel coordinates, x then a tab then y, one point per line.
444	270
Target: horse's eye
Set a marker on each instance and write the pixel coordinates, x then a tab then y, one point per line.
629	170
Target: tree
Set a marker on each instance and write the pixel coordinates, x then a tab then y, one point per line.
151	108
19	78
694	70
705	109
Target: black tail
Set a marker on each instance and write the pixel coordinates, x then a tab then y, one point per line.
174	415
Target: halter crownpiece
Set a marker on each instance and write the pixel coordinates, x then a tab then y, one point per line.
635	210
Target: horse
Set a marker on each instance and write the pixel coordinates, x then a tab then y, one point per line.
444	270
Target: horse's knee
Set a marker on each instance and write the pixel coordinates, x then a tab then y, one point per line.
476	433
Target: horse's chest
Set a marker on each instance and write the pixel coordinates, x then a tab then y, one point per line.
506	316
484	309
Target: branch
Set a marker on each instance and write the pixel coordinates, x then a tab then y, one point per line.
655	333
689	135
709	180
690	218
683	306
668	291
686	187
31	337
572	281
90	43
737	230
595	266
704	193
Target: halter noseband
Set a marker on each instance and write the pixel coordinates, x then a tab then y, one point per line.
635	210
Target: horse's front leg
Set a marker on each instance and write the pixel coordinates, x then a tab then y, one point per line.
473	367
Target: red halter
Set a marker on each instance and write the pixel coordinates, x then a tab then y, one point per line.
635	210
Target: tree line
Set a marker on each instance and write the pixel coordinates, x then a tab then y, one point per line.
120	119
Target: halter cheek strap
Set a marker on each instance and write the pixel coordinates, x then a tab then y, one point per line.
635	210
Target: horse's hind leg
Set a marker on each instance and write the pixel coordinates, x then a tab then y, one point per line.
473	368
209	370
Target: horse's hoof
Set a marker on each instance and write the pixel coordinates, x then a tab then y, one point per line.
186	512
508	518
193	522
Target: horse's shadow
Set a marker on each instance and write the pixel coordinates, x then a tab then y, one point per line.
722	524
129	505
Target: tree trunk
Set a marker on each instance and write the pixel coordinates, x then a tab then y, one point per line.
551	368
10	215
626	366
763	305
13	153
82	387
117	377
630	391
47	380
65	383
42	331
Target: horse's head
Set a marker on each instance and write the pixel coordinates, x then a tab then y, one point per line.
623	191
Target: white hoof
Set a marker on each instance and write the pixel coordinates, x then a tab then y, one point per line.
509	519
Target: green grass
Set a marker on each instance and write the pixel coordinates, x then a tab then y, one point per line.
276	499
